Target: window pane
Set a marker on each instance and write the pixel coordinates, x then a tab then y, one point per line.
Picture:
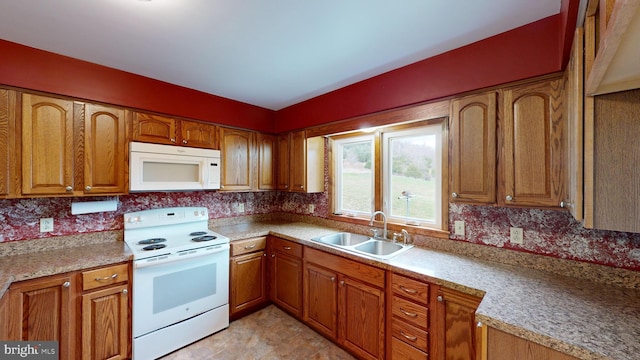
413	176
356	176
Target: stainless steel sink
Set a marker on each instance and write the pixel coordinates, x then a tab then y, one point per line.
342	239
363	245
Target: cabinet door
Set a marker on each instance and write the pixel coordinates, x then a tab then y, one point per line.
266	161
248	281
503	346
321	299
44	309
47	146
473	149
532	145
361	317
286	282
154	129
196	134
105	150
236	148
282	176
105	326
9	160
455	322
298	161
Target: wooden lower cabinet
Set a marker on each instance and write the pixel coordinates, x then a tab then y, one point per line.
503	346
45	309
87	312
248	276
345	301
408	318
285	270
454	320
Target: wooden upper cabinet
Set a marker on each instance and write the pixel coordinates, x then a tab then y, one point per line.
306	163
47	145
105	150
532	145
197	134
159	129
282	173
473	149
9	156
267	145
236	152
297	161
154	129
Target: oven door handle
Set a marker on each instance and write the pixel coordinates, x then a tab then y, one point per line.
187	254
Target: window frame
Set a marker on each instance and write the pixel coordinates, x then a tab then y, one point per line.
440	230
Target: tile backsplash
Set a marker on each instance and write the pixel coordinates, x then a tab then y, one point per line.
546	232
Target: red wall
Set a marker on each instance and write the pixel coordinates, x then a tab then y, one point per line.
34	69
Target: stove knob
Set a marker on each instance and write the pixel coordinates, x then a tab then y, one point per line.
202	212
195	213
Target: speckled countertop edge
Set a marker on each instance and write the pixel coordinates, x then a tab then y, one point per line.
575	316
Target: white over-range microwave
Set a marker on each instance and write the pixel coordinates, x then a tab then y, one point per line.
154	167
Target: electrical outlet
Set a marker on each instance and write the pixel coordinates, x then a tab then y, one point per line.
46	225
241	207
311	208
459	227
517	236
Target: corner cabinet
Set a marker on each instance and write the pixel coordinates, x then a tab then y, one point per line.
9	157
473	149
345	301
503	346
454	321
267	147
532	145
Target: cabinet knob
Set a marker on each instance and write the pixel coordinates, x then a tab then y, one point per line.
273	255
66	284
342	283
479	324
439	298
69	188
286	186
125	291
566	204
87	188
265	254
173	140
454	195
509	198
333	279
184	141
301	187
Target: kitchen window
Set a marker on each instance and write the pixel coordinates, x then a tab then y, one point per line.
396	169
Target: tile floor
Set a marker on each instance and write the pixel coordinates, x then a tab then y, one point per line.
267	334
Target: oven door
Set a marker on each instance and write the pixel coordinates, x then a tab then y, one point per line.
167	293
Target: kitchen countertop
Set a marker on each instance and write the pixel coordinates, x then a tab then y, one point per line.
575	316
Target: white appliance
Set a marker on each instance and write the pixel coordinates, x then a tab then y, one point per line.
154	167
180	279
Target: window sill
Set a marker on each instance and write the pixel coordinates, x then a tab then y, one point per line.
393	226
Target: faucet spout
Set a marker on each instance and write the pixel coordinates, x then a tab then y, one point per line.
384	219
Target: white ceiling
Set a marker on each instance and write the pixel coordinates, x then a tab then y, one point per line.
270	53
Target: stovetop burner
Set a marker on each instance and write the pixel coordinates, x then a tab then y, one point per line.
198	233
151	241
154	247
204	238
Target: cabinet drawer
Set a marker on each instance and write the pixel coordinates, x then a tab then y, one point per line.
248	245
410	289
354	269
114	274
409	334
402	351
287	247
414	314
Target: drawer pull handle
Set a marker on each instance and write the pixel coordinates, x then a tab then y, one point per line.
408	291
250	246
287	248
107	277
409	314
408	337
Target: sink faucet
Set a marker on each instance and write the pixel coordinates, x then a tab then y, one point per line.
384	219
404	234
